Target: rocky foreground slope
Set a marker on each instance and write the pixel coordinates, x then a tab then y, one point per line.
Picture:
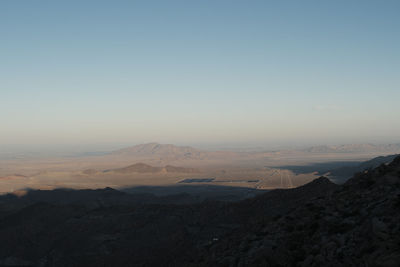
318	224
355	225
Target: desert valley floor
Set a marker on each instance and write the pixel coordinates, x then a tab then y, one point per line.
156	165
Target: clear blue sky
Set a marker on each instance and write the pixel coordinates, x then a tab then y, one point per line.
273	72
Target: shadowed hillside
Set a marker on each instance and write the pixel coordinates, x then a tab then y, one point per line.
318	224
339	171
341	174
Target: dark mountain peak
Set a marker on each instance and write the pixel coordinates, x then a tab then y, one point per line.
384	174
108	189
395	162
321	183
320	180
342	174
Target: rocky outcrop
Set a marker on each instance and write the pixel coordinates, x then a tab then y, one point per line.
355	225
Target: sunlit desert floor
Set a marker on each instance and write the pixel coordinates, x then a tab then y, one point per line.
252	170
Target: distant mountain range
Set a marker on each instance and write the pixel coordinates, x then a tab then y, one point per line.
160	150
156	149
353	148
168	154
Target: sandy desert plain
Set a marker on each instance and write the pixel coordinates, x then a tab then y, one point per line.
159	165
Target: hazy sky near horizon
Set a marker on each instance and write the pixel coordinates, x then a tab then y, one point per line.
199	71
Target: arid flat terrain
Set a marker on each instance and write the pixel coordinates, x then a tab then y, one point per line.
156	164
